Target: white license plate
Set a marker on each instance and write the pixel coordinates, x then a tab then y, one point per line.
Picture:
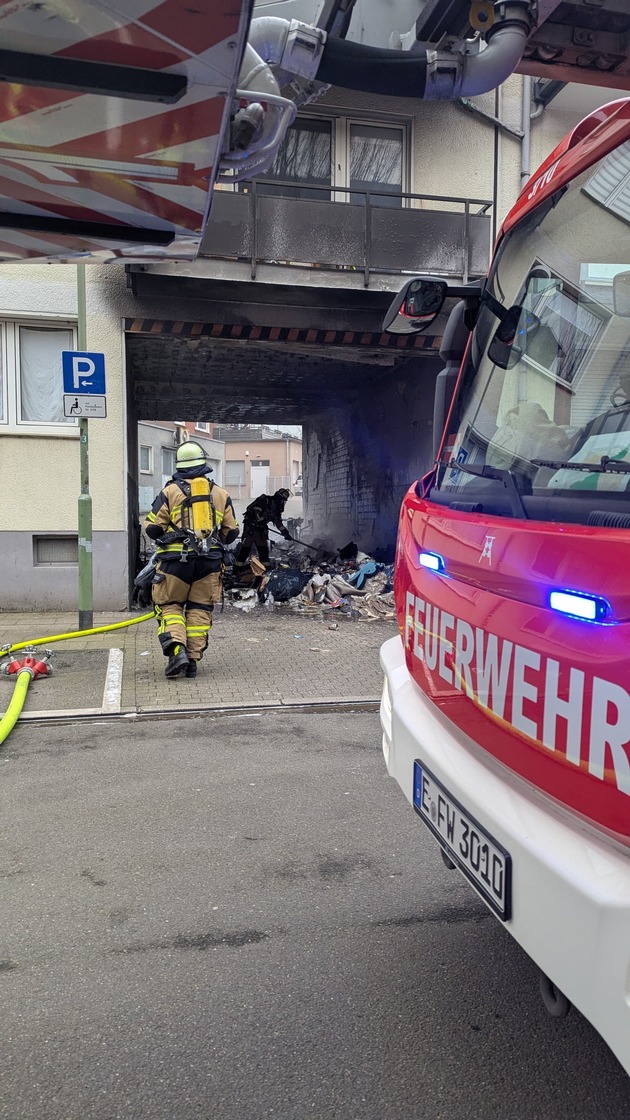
483	861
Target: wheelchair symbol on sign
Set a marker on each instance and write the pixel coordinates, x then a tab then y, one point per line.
75	409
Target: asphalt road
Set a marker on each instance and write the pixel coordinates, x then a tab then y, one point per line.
240	917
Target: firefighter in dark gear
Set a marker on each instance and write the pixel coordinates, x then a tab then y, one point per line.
259	513
192	519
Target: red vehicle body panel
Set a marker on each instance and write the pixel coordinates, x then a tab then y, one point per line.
484	645
591	140
544	694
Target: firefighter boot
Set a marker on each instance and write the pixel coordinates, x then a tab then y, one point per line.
191	669
178	660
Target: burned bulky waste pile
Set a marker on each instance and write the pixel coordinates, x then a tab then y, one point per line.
345	583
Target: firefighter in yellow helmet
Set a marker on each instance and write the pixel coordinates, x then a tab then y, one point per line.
192	519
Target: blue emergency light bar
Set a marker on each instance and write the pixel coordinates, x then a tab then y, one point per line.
577	604
431	560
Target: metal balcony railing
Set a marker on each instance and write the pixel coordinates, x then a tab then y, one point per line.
426	233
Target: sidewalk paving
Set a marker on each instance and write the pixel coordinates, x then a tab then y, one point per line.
263	657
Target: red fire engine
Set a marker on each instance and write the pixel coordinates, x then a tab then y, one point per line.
506	704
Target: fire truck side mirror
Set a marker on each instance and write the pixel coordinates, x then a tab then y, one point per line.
621	294
416	306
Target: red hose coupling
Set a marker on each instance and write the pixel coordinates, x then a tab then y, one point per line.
37	668
42	669
13	666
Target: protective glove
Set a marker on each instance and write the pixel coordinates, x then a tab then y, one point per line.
286	534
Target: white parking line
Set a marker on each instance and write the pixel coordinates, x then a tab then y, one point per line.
112	693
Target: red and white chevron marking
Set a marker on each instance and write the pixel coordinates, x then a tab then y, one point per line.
83	157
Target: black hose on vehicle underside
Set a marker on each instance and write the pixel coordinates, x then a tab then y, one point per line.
373	69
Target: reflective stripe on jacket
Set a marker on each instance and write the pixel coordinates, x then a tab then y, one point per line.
166	512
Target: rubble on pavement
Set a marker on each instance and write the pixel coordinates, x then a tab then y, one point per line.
315	580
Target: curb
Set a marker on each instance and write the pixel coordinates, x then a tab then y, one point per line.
93	715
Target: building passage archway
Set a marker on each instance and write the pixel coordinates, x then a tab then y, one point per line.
363	398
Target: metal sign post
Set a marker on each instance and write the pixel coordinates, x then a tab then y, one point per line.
83	398
86	596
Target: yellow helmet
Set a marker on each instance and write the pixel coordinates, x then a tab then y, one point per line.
190	455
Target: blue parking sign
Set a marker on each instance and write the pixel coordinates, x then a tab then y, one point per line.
83	372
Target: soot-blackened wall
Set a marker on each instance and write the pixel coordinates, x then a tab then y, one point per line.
359	461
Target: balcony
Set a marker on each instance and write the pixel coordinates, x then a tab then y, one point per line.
369	239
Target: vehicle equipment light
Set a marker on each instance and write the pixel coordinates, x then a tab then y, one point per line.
591	608
432	561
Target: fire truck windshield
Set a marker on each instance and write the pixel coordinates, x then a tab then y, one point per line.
545	394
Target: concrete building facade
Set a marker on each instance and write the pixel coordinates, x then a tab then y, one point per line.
40	448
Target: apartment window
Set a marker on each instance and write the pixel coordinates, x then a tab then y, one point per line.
356	154
49	551
168	464
305	158
202	427
31	379
40	376
146	459
375	163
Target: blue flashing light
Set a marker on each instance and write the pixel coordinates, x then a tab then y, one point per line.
590	608
431	560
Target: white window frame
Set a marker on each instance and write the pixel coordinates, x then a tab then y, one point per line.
149	469
11	422
171	451
341	151
202	427
340	121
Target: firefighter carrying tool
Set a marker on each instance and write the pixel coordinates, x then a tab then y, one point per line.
264	509
192	519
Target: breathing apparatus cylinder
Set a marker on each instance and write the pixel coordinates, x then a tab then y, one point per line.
202	521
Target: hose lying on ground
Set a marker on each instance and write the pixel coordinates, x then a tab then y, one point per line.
77	633
25	675
10	717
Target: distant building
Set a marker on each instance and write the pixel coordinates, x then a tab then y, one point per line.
259	460
157	447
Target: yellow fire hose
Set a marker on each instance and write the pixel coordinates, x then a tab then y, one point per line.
10	717
77	633
25	675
